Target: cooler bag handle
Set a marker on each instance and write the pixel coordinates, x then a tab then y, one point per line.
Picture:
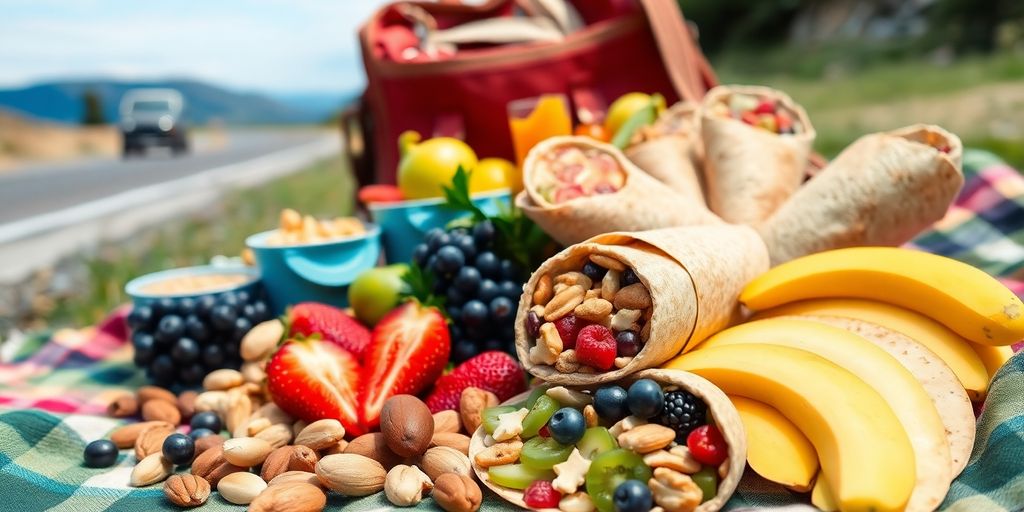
688	69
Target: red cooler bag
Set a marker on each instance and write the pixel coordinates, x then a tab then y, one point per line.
502	51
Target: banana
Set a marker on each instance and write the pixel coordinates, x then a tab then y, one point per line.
822	496
776	449
904	394
970	302
860	443
959	354
992	357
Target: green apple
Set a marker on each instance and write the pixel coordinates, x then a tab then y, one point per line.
377	291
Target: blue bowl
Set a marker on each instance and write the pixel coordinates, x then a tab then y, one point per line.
317	272
136	287
404	223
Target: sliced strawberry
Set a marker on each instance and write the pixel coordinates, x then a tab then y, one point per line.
408	352
313	379
379	194
494	371
332	324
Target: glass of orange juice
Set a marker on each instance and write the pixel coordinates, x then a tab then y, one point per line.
532	120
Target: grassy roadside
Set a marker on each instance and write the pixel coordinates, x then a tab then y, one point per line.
324	189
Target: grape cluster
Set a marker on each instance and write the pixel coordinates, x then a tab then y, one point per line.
481	289
180	340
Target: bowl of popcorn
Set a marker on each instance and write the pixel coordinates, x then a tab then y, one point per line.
310	259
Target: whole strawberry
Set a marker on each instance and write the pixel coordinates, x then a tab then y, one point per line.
313	379
493	371
332	324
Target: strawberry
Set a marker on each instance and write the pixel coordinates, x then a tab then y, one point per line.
408	352
494	371
313	379
369	194
332	324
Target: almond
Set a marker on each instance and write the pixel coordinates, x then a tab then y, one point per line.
151	440
150	470
288	458
295	476
246	452
456	493
206	442
445	459
375	447
544	290
187	404
123	406
277	435
212	466
261	340
186	490
290	497
126	436
564	302
472	403
454	440
647	438
223	379
159	410
447	421
321	434
634	296
147	393
241	488
350	474
407	425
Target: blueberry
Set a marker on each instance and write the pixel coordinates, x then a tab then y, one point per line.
223	317
249	312
511	289
208	420
610	403
199	433
489	265
484	233
449	260
433	238
493	344
229	299
488	290
441	285
454	297
242	327
645	398
162	369
179	449
474	313
196	329
205	305
439	241
431	263
192	374
466	245
510	271
567	425
501	309
261	312
632	496
145	347
171	328
243	297
164	306
213	356
455	313
186	306
100	454
185	351
477	332
467	280
140	318
629	277
420	253
455	330
627	343
594	271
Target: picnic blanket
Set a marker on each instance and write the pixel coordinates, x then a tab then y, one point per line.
54	391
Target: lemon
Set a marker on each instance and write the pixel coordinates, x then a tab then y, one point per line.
624	108
428	166
491	174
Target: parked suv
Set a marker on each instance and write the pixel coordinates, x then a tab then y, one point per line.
152	117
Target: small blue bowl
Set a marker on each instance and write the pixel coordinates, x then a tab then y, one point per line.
136	288
404	223
318	272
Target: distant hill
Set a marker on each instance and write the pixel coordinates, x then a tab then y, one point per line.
62	101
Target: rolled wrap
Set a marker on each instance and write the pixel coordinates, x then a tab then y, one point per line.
694	276
642	203
883	189
670	151
750	172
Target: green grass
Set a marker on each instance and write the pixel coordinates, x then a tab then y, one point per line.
323	190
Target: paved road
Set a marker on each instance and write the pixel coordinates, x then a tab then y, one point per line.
40	189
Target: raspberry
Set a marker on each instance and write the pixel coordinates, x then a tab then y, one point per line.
540	494
765	107
544	432
707	445
568	328
683	412
596	347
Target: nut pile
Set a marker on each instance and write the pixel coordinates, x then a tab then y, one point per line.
296	229
591	320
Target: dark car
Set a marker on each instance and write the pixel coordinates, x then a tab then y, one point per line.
152	118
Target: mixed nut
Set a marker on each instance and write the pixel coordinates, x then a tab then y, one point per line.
590	320
297	229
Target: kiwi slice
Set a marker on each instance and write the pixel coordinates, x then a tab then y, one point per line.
537	392
490	416
544	452
517	476
540	413
608	470
595	441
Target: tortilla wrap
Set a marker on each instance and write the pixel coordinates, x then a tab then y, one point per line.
670	151
883	189
718	405
642	203
693	274
750	172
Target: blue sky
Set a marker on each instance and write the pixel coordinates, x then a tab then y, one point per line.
264	45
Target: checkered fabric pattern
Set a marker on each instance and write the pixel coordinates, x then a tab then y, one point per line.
53	391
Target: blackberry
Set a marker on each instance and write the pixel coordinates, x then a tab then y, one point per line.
683	412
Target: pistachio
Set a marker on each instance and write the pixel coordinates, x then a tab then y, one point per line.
246	452
457	493
241	488
186	490
404	485
350	474
150	470
321	434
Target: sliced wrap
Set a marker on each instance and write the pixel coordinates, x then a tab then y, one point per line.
641	203
718	405
881	190
693	274
750	172
670	151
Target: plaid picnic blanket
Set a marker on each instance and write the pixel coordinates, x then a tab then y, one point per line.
54	391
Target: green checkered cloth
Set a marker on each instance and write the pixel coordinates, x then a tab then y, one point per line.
53	392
